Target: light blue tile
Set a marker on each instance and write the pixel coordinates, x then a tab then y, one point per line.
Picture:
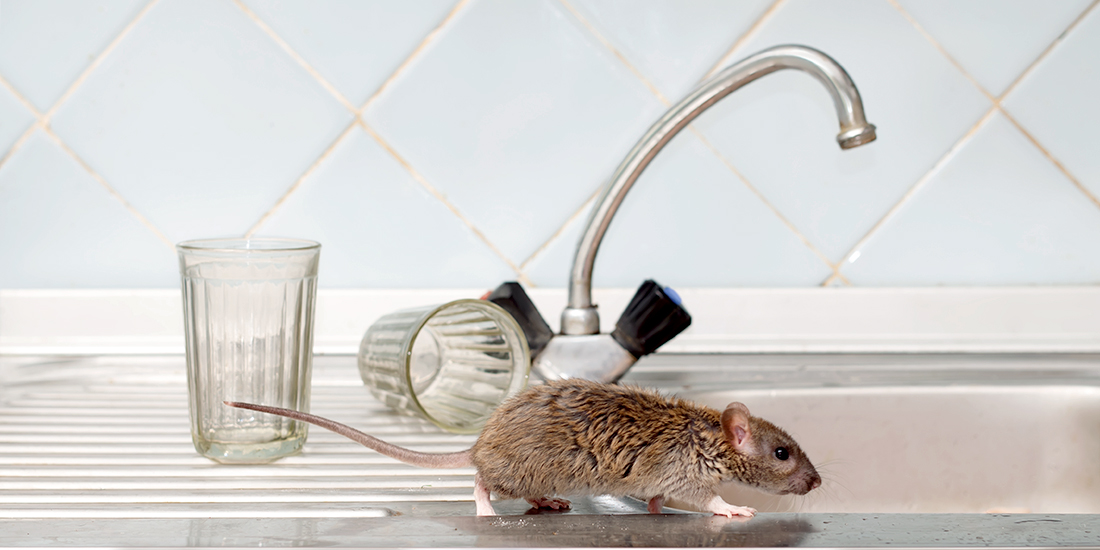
994	40
690	222
200	120
550	266
1057	102
15	120
780	130
378	227
59	228
517	114
354	44
46	44
672	42
998	214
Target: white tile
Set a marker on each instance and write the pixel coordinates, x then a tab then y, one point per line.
998	214
1057	102
378	227
672	42
994	40
780	130
354	44
46	44
15	120
516	136
689	222
59	228
200	120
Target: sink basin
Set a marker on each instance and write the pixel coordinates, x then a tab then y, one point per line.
953	435
986	446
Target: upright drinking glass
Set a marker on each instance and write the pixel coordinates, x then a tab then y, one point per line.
248	317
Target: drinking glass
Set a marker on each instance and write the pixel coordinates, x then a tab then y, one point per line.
248	317
451	364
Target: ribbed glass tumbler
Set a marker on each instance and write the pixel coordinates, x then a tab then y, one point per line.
248	318
451	364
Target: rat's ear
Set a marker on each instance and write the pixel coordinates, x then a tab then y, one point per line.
735	424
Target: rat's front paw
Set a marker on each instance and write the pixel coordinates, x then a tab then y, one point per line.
723	508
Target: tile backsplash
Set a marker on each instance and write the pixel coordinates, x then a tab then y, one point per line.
443	143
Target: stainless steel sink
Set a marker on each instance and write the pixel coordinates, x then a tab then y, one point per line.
992	444
95	452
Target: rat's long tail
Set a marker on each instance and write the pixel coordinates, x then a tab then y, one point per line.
460	459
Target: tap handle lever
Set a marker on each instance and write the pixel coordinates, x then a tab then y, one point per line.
653	317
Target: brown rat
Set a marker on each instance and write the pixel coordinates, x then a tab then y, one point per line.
577	437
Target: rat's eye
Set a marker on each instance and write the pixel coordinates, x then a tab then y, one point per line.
781	453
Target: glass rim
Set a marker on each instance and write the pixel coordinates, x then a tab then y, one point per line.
501	317
234	245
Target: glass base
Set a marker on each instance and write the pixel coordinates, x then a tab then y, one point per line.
250	453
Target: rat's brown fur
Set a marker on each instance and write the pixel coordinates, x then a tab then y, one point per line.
584	438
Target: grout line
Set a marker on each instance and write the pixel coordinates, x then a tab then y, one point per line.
26	103
607	44
950	154
294	55
415	53
95	175
19	142
997	100
1065	171
45	120
435	192
752	31
556	234
1046	52
298	183
943	51
336	94
764	200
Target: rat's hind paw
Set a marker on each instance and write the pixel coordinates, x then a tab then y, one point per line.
723	508
550	503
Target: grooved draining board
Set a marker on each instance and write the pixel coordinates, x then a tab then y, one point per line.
109	438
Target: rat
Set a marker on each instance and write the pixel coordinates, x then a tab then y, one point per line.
578	437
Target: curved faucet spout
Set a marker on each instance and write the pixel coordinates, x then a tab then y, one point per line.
580	316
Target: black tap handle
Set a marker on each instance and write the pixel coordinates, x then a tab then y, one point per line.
515	301
653	317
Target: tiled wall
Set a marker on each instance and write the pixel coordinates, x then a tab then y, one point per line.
460	144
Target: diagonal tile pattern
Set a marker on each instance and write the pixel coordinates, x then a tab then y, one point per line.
58	229
518	137
15	118
356	45
497	122
232	151
673	43
1057	103
688	209
780	130
371	216
1000	210
46	44
994	40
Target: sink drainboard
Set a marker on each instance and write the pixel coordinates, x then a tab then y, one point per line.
96	438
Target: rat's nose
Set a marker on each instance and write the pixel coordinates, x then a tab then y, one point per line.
815	483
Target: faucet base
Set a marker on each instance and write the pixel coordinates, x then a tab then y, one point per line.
580	320
592	357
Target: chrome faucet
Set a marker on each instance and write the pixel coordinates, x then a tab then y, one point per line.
580	351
